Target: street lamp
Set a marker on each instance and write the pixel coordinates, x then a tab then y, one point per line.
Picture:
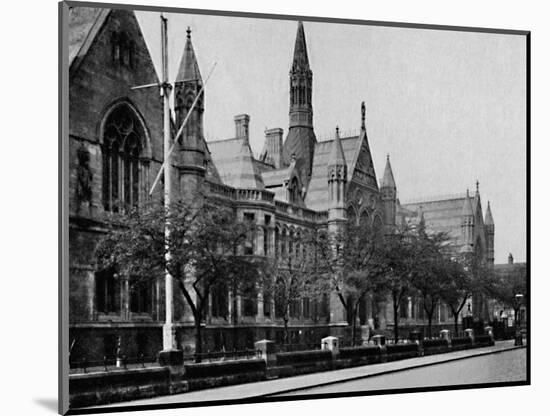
517	303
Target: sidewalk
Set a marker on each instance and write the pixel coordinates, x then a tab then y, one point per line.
286	385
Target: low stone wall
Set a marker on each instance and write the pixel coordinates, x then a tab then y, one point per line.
435	346
401	351
301	362
207	375
123	385
110	387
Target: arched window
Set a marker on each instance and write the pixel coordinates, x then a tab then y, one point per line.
123	136
352	215
107	292
141	296
294	191
277	248
220	300
364	218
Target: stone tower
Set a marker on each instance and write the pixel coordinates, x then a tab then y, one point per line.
467	225
191	160
388	192
490	235
337	221
300	140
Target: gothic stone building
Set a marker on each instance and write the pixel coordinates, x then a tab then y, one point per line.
296	184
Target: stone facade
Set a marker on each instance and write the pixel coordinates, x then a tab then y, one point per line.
116	150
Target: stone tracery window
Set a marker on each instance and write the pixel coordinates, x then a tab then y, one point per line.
122	168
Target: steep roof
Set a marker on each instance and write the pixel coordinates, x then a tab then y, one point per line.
235	163
84	24
467	209
189	67
440	215
317	193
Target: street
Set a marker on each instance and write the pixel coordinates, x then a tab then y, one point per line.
501	367
499	363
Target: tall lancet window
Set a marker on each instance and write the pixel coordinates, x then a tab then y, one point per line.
123	170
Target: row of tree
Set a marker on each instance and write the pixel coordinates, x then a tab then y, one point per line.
206	247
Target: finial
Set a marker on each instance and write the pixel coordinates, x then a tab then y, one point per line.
188	32
363	112
477	187
388	157
467	192
337	131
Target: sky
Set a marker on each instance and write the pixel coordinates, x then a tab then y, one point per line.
448	107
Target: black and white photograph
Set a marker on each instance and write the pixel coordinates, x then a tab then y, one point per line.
261	208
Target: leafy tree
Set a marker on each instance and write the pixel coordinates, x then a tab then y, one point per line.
457	287
429	275
202	250
352	265
504	288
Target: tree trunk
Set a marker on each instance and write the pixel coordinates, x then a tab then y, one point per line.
395	321
285	337
430	318
198	340
455	315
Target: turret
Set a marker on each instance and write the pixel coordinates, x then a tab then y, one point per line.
337	179
490	234
388	192
337	220
467	224
187	86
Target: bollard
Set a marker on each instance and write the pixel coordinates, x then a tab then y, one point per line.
332	344
379	340
469	333
266	350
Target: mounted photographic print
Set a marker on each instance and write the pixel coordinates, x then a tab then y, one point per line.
264	207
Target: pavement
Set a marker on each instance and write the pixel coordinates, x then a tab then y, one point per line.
291	384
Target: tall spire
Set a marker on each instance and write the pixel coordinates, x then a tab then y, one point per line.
336	157
363	115
489	215
189	68
300	140
300	59
387	180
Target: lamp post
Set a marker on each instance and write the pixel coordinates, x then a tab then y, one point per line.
517	304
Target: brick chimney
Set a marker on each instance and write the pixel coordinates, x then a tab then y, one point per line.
510	259
241	126
274	146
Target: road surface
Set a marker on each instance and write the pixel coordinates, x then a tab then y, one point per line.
500	367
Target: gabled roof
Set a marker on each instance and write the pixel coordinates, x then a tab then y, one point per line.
317	193
84	24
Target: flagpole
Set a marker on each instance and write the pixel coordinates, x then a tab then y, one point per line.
168	330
